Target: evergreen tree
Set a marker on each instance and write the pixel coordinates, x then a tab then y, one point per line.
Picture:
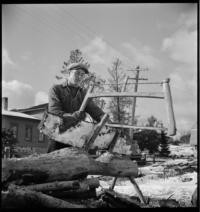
76	56
148	139
164	151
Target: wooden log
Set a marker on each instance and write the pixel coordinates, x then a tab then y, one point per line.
85	135
74	194
65	185
111	202
120	200
169	203
76	136
95	132
20	198
66	164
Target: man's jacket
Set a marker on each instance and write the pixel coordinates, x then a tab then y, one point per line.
67	99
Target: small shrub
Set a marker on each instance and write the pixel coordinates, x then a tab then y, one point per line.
8	142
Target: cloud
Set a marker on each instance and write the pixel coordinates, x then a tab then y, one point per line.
6	60
41	97
20	95
184	97
96	50
101	55
26	56
189	19
142	55
181	47
182	44
186	19
15	86
100	52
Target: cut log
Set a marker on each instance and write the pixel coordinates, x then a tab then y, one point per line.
20	198
65	185
65	164
95	132
74	194
85	135
120	200
169	203
111	202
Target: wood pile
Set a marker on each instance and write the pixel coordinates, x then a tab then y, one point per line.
59	180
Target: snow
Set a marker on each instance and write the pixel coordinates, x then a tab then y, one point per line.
155	184
182	150
17	114
160	188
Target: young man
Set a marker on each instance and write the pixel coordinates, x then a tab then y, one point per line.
66	99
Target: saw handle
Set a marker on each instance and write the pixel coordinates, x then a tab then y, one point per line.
86	98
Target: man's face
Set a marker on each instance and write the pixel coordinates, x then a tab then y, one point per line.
76	76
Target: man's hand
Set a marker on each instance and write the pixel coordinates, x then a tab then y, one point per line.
109	121
79	115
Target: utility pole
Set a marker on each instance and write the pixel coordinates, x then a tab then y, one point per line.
136	78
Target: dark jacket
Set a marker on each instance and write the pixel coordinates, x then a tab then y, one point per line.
66	99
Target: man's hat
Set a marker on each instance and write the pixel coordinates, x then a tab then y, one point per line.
77	66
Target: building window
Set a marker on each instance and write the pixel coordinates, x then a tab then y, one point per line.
41	137
28	133
14	128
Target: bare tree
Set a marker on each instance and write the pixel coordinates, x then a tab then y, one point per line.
117	105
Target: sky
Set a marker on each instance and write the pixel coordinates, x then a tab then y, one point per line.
162	37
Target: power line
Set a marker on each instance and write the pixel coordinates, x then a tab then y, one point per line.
63	25
29	15
132	83
94	34
43	21
80	25
56	27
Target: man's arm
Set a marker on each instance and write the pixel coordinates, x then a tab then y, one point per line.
55	104
94	111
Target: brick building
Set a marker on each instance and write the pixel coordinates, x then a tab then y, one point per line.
25	127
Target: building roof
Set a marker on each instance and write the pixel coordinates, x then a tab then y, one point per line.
18	114
37	107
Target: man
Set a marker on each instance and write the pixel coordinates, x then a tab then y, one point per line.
66	99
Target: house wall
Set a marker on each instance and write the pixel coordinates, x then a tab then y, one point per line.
7	122
193	137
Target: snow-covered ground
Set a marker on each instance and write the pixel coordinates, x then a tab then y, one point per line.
184	150
161	179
